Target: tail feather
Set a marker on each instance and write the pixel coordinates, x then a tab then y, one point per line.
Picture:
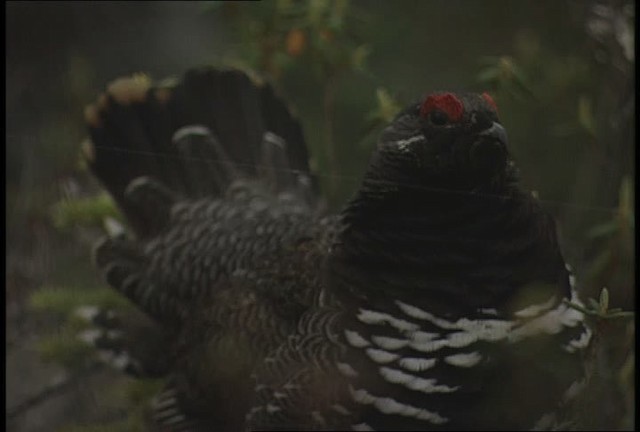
123	266
209	170
292	165
195	137
279	121
110	251
130	138
170	415
155	118
128	342
152	202
226	102
159	150
274	157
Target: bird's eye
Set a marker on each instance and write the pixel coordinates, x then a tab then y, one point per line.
438	117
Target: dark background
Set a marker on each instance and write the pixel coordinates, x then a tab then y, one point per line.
568	107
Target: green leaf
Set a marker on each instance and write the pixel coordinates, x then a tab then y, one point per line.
87	211
595	311
388	107
593	304
66	300
359	57
577	307
488	75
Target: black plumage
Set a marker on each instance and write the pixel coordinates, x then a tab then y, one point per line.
434	300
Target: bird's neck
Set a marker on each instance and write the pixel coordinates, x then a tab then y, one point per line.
479	245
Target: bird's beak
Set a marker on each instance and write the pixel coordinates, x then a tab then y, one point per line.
496	132
489	153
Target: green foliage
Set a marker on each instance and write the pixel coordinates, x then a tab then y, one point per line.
276	35
65	349
564	112
64	346
385	110
64	301
613	263
90	211
317	44
537	78
387	107
505	75
613	352
600	308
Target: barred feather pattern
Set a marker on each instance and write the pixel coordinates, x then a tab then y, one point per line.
435	300
210	239
297	384
212	174
450	297
400	367
252	315
415	370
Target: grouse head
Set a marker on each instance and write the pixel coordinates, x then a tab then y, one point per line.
442	188
445	140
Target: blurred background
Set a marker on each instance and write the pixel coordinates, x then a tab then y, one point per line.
561	72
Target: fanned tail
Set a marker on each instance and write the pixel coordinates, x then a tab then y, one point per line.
153	146
160	148
190	140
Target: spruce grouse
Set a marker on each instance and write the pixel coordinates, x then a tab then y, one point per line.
433	301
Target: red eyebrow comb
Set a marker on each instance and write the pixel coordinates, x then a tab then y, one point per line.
446	102
487	97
